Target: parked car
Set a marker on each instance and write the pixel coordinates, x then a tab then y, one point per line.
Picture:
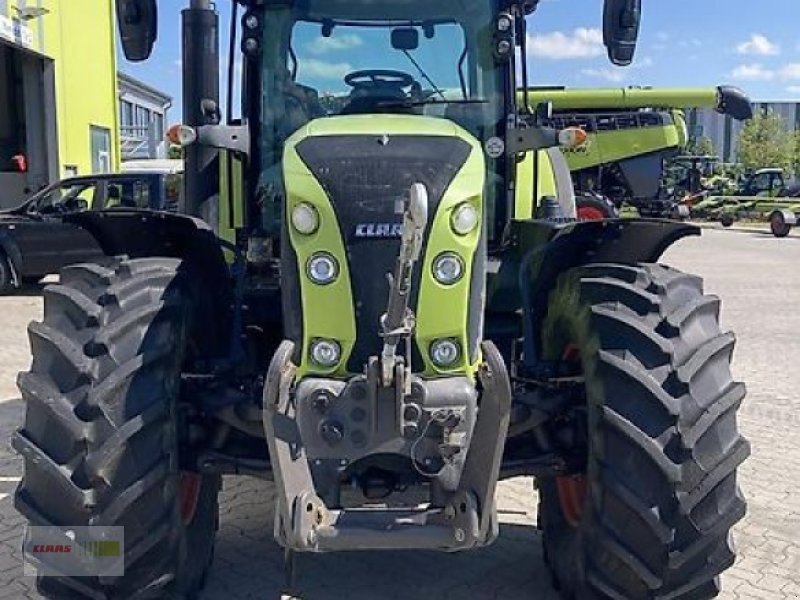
35	239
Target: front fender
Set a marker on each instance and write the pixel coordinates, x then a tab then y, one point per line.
144	234
542	251
789	216
627	241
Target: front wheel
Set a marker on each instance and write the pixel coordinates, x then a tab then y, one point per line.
778	225
727	220
102	440
650	515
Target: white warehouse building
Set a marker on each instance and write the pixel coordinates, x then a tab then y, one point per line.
724	131
143	114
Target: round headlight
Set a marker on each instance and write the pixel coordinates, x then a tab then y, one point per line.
305	218
448	268
326	353
323	269
465	218
445	353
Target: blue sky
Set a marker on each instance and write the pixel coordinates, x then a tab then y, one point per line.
755	45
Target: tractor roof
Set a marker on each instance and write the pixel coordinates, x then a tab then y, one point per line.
388	10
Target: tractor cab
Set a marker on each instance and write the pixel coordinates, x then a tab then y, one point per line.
385	70
766	183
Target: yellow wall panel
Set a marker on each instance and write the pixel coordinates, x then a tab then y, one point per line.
79	36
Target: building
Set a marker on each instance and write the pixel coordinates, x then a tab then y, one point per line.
724	132
143	113
58	92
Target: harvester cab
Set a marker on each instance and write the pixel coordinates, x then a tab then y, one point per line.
378	297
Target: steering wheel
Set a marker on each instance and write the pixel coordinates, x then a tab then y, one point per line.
377	77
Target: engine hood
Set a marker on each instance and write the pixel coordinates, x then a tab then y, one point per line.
379	125
356	171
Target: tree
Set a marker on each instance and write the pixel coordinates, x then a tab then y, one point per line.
702	146
765	142
796	157
175	152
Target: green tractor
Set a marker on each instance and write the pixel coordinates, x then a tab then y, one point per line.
633	132
379	298
759	196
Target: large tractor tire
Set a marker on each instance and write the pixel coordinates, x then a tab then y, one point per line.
102	438
651	515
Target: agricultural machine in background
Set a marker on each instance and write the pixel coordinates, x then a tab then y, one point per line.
383	303
692	175
759	196
632	133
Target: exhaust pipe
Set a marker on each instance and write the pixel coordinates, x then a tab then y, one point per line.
200	103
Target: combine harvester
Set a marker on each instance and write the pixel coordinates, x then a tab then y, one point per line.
632	132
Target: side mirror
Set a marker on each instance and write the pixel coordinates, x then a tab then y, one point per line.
621	20
138	27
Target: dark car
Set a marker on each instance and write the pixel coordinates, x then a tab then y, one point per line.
35	239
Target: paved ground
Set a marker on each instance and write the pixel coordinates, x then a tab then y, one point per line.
758	277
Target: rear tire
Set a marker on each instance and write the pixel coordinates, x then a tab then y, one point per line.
101	437
651	516
727	220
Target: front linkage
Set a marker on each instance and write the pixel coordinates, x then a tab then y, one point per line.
463	515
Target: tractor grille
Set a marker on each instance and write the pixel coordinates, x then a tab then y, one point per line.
365	178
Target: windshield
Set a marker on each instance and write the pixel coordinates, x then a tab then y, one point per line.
332	58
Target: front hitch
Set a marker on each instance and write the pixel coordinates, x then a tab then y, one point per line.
461	513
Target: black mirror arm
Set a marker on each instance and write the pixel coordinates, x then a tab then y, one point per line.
235	138
527	139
